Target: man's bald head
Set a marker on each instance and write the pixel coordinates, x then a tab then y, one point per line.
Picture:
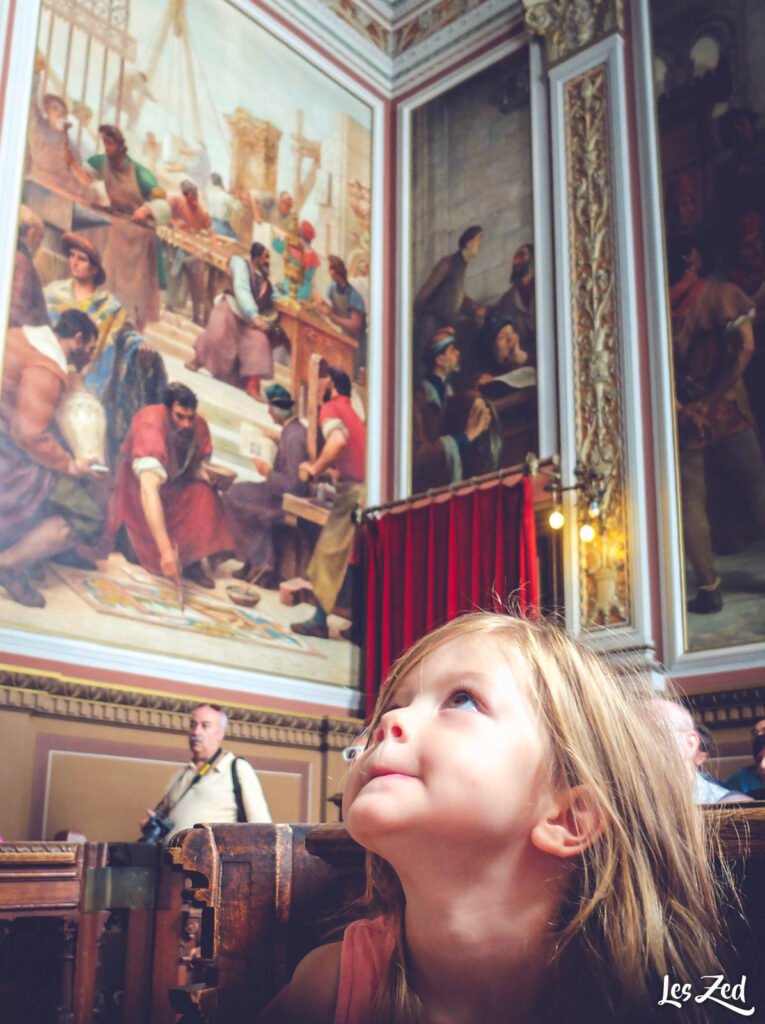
679	722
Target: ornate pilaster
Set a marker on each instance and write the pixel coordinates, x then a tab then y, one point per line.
596	332
569	26
601	446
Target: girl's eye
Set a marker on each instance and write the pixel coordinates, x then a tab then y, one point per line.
464	700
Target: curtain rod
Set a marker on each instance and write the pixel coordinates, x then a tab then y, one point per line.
529	467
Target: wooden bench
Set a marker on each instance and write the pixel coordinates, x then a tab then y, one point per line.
85	927
214	927
270	893
312	334
48	942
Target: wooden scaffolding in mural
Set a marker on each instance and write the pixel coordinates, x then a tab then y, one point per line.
104	25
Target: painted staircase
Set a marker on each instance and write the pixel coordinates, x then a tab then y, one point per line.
225	408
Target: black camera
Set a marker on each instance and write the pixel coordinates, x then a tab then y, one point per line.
156	828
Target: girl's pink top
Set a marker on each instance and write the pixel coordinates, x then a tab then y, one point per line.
364	959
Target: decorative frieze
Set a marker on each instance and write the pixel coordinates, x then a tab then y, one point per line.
58	697
729	708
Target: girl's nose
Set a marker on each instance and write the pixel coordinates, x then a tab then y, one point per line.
392	724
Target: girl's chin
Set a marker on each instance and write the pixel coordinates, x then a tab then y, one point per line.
375	828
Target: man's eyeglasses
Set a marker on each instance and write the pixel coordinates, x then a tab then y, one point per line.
757	730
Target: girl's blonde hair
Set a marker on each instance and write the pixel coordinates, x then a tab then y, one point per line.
644	900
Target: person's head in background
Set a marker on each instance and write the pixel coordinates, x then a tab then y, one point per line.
694	742
678	721
706	744
758	752
758	748
207	727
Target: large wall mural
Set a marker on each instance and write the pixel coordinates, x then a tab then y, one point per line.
195	212
474	353
710	97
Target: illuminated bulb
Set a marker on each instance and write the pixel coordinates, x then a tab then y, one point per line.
594	509
586	533
555	519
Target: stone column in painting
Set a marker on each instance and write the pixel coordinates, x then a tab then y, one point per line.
254	152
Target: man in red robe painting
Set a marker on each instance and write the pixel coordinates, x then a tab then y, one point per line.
164	495
345	446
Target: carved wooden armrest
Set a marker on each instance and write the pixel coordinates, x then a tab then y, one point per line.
195	851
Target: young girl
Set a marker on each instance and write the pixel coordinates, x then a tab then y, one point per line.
534	851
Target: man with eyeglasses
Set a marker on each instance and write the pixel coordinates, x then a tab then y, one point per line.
752	776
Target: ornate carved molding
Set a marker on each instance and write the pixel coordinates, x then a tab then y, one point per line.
63	698
23	852
605	597
395	32
571	25
726	709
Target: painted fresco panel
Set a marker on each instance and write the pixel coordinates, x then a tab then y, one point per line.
710	97
474	407
187	178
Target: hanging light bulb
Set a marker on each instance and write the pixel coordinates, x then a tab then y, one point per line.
586	533
593	510
555	519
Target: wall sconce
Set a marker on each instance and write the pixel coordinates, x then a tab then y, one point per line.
592	488
556	519
586	532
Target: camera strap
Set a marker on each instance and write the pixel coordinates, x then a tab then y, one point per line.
241	814
202	771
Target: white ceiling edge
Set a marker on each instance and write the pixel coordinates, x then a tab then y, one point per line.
392	75
338	37
453	44
483	25
395	11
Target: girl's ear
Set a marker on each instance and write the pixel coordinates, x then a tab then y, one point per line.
569	823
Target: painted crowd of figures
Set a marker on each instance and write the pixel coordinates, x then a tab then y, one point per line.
132	251
475	398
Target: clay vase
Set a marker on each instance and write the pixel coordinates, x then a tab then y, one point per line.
82	421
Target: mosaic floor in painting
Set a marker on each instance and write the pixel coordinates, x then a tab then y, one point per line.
146	598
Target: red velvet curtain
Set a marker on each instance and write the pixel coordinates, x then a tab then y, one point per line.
424	564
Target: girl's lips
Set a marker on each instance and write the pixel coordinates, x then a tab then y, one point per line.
380	771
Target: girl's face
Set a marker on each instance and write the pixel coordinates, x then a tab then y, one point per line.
459	755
